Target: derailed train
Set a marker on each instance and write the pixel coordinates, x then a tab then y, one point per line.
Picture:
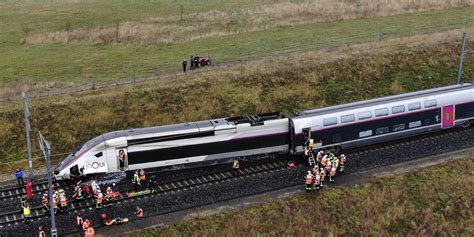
221	140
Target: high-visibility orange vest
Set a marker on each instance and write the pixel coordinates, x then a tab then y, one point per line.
86	225
309	179
63	202
110	194
328	166
318	178
90	232
324	161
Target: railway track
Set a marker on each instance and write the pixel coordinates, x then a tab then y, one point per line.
354	156
15	218
17	192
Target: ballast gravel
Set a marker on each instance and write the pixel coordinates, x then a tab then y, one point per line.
358	160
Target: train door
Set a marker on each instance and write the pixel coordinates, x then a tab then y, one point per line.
122	158
447	119
306	136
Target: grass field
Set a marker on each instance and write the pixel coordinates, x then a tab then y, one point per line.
44	58
432	202
261	87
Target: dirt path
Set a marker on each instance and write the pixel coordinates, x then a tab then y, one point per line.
348	179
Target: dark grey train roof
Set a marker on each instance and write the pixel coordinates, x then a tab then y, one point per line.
382	100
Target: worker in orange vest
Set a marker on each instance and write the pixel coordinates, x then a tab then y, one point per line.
309	181
139	213
99	200
342	163
317	180
109	196
90	232
324	160
86	224
323	175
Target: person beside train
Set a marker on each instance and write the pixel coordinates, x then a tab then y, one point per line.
109	197
136	180
121	158
139	213
62	200
99	199
86	224
19	177
235	167
142	176
41	232
309	180
90	232
78	192
26	211
342	163
45	201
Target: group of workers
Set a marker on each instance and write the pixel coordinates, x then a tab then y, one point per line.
323	165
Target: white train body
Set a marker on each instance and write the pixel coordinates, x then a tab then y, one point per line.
180	144
336	127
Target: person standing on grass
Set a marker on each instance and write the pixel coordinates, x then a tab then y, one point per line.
184	65
191	64
19	177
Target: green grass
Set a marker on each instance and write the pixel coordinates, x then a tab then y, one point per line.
257	88
431	202
82	62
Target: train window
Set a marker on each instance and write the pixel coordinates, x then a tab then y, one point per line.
347	118
414	106
398	109
365	115
398	127
365	133
329	121
100	154
414	124
381	130
430	103
381	112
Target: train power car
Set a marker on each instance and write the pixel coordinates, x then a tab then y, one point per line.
221	140
209	141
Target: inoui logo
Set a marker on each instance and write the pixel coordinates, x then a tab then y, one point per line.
95	165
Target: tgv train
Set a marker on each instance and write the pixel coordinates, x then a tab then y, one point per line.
221	140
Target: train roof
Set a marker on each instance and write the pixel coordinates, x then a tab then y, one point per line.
201	125
383	100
